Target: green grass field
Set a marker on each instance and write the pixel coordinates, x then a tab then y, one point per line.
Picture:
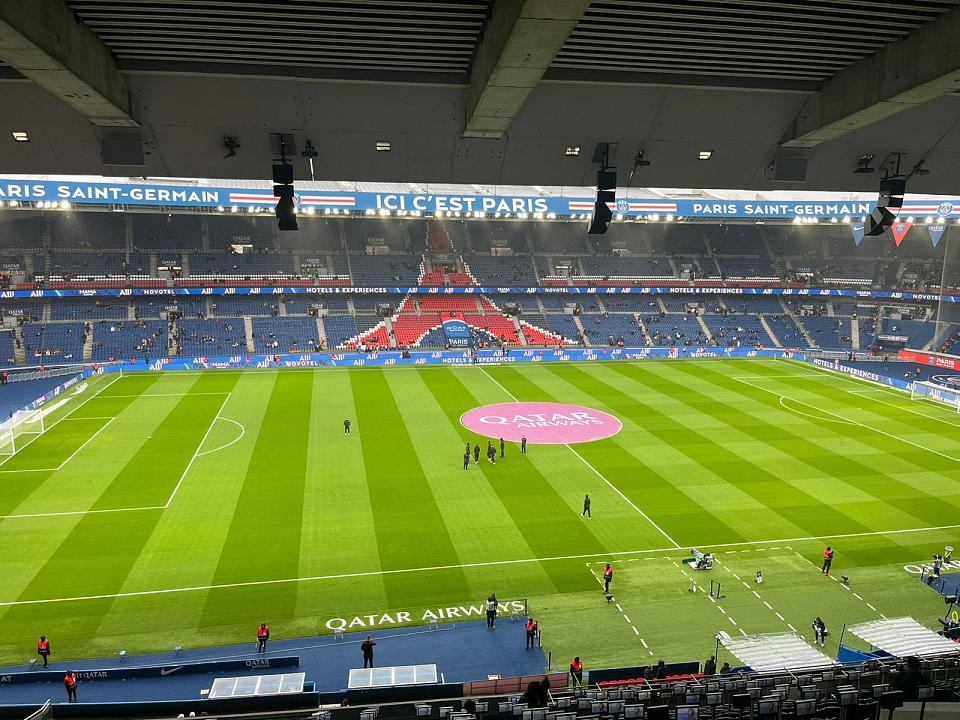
185	508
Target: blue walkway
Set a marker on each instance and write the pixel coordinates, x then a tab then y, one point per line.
461	652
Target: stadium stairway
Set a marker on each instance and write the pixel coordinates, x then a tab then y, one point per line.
803	330
643	329
773	338
855	334
248	333
88	345
19	354
321	332
704	327
579	323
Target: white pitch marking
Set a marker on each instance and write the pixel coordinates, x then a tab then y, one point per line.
155	395
863	393
597	472
732	620
756	595
635	631
857	596
779	616
853	422
643	642
791	627
872	607
769	606
196	452
243	431
627	619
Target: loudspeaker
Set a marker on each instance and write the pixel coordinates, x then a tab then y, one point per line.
286	214
891	196
602	214
283	173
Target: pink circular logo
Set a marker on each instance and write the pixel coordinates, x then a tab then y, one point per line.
541	423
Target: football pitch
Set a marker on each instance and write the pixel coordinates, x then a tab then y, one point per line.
185	508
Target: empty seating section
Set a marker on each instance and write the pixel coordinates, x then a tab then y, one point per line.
227	231
627	266
339	329
18	230
526	303
230	264
298	305
166	232
786	331
434	339
408	329
919	331
753	304
510	270
54	342
89	264
535	335
499	327
369	303
240	305
88	309
672	329
87	230
379	270
125	340
202	338
561	324
363	233
868	334
831	333
285	334
600	328
8	354
434	303
850	270
736	330
745	268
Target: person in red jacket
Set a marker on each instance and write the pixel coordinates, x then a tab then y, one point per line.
531	632
70	683
607	578
43	649
263	634
576	672
827	560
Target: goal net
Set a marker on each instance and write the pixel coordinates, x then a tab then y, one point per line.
15	432
935	393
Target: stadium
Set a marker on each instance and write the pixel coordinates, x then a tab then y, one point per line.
560	361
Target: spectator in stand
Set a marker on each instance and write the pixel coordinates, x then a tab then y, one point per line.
725	669
710	666
911	679
661	670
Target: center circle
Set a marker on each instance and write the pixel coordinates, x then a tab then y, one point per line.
541	423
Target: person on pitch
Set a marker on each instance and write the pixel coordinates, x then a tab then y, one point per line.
586	507
466	460
607	578
346	426
476	453
523	445
502	446
827	560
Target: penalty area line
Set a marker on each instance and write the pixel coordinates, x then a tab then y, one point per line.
196	453
596	472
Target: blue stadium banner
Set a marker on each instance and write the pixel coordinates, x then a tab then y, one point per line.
103	192
936	232
857	229
457	333
606	291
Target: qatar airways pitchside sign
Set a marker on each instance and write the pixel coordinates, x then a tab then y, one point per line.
406	617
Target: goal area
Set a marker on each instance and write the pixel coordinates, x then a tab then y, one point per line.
16	431
935	393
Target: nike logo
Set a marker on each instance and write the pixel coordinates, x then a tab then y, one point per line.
166	671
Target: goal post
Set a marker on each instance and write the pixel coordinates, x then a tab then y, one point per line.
15	430
935	393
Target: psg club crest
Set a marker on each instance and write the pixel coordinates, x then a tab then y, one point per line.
622	205
944	209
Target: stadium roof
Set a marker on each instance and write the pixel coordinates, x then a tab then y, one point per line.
487	91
